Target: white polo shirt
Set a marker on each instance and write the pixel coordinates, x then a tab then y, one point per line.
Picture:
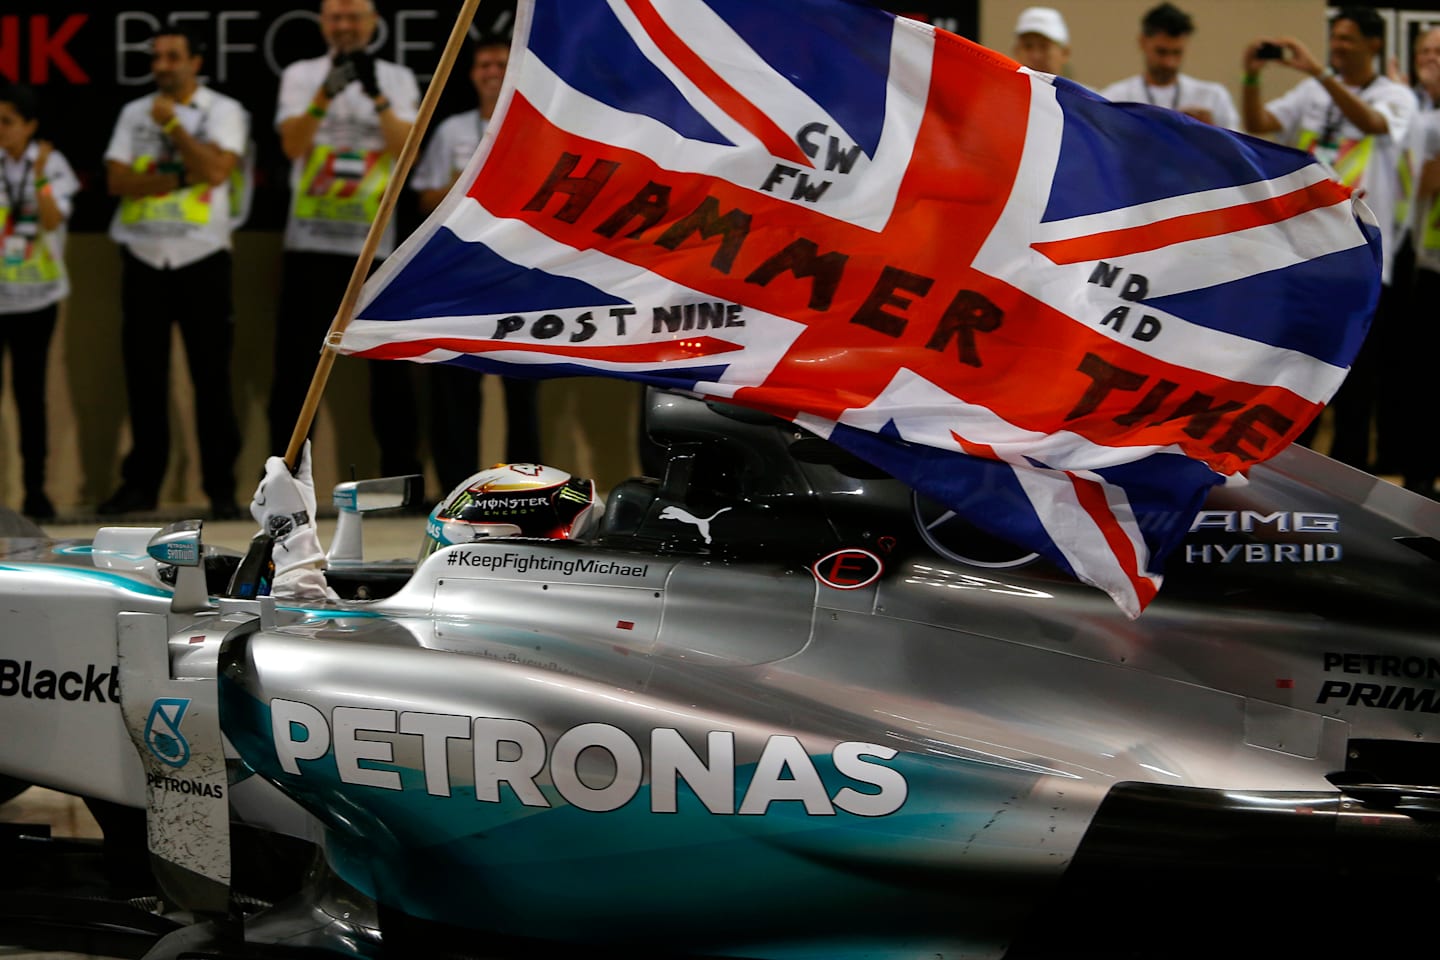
449	150
1186	93
1425	141
1370	163
335	189
189	224
32	269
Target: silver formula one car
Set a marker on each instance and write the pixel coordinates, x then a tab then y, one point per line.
777	708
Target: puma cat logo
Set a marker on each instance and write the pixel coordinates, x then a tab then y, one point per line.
685	516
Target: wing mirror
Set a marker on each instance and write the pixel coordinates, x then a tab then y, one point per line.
180	546
355	498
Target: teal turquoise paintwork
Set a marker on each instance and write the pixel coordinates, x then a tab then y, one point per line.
107	577
779	885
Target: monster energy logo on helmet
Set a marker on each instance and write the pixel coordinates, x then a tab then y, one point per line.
520	500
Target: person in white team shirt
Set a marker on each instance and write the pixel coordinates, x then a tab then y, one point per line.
455	391
1164	33
343	118
456	138
169	161
38	190
1357	120
1042	40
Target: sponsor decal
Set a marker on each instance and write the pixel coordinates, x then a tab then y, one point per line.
1387	696
1254	521
573	494
26	679
508	503
1384	665
180	553
1382	696
848	569
1249	521
1262	553
167	744
517	562
167	784
162	731
509	755
681	515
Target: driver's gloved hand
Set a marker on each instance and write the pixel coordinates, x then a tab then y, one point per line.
284	506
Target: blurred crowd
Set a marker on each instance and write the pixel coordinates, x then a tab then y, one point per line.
1379	132
178	165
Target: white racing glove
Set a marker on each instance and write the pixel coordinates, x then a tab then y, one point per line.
284	506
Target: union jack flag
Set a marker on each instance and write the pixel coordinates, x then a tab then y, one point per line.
977	276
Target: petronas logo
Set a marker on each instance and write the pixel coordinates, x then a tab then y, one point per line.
162	732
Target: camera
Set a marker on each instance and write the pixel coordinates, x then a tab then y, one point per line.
1270	51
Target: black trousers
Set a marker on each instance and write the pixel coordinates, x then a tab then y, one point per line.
1419	330
1366	399
311	287
197	298
455	408
27	337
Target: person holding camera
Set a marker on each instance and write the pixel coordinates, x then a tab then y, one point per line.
1355	119
343	118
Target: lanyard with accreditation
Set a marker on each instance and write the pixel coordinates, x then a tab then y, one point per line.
1347	157
27	257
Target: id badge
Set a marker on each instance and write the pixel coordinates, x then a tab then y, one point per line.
27	227
15	249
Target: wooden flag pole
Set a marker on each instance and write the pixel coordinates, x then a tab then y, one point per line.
403	163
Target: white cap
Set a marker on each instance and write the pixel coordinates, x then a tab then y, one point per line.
1045	21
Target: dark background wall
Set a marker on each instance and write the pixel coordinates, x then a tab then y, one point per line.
86	61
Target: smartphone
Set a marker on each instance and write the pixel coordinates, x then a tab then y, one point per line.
1270	51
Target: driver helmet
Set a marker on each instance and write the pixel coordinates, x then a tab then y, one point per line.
514	500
